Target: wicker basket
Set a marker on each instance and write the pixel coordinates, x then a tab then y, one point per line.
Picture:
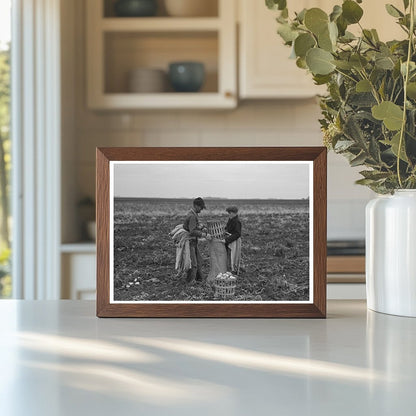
225	284
216	229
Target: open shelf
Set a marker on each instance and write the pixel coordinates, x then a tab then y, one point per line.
116	46
160	24
87	247
168	100
210	7
127	51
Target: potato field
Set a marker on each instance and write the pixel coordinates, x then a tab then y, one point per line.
275	250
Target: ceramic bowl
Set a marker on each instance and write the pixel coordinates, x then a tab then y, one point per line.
186	76
135	8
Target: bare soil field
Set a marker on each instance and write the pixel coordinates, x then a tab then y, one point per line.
275	250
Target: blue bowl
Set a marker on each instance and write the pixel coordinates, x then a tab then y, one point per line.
135	8
187	76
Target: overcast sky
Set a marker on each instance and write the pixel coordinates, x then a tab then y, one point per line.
234	181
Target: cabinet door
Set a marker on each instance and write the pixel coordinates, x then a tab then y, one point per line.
265	68
78	276
376	17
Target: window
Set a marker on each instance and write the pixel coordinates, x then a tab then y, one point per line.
5	147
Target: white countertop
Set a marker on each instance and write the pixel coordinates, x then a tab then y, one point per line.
57	358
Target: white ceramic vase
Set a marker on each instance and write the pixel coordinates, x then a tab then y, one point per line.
391	253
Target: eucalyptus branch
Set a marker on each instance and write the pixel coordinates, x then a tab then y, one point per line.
365	61
406	80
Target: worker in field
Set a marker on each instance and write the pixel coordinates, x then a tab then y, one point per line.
192	225
233	240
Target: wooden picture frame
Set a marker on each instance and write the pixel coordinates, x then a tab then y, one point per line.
314	157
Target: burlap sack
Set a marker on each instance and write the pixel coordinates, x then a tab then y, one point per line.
217	260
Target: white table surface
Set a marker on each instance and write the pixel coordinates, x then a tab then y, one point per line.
57	358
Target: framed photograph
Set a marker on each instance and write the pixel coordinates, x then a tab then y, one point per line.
211	232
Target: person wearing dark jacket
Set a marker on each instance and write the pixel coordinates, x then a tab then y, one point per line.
233	239
191	224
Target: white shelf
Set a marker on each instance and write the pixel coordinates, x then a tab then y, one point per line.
160	24
82	247
163	100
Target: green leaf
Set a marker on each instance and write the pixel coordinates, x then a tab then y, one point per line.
365	182
411	90
353	131
344	65
368	36
393	11
412	67
282	20
362	99
374	150
276	4
333	32
336	12
351	11
388	112
342	25
320	61
382	89
358	160
287	33
301	15
384	62
347	37
343	145
325	42
358	61
363	86
405	21
316	20
374	174
394	145
301	63
303	43
321	79
375	35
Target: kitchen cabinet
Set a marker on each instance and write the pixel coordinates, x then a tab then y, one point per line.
78	263
264	65
265	69
118	45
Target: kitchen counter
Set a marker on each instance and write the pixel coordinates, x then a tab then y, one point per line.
57	358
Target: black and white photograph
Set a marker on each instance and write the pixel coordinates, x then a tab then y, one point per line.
183	231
